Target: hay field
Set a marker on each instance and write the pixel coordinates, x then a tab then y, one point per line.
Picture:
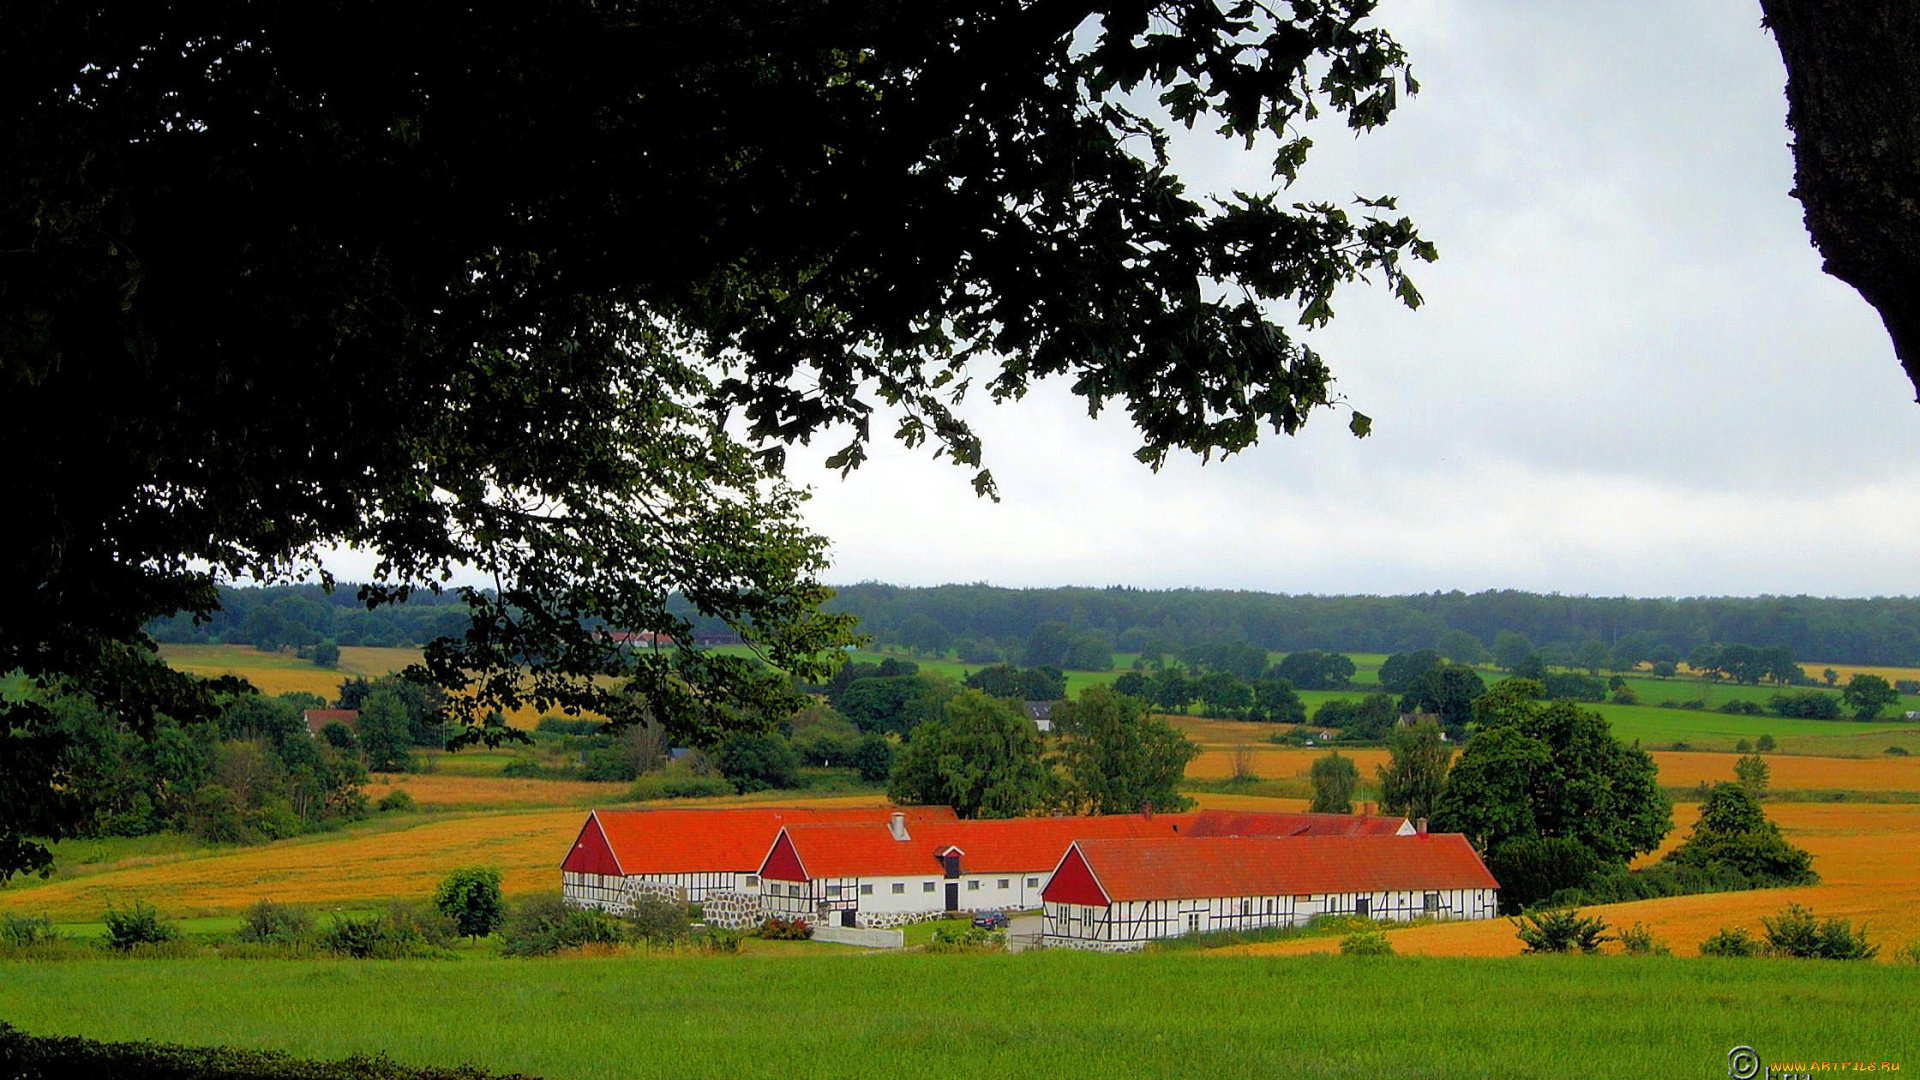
1794	772
448	792
1280	762
381	861
1868	857
1848	671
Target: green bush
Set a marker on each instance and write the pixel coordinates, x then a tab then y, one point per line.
547	924
657	920
1897	751
26	931
1559	931
561	725
1366	943
1797	932
397	801
137	924
268	923
721	941
1638	940
1730	941
1765	743
400	933
523	768
779	929
959	939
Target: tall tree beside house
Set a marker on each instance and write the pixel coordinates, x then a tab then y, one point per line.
1117	757
1334	780
1552	772
984	758
382	729
1416	770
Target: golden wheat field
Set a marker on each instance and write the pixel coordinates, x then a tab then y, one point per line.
340	869
1843	672
1794	772
1868	857
1277	762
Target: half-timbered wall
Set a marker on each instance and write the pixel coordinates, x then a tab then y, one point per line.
615	893
1131	924
892	901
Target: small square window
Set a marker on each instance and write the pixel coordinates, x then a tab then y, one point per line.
833	890
1005	883
793	890
753	881
926	886
1033	883
899	887
972	884
866	890
1430	902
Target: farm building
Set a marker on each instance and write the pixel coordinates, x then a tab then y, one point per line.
707	856
880	875
319	718
1116	895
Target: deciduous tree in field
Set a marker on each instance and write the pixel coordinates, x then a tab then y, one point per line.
984	759
1416	772
1116	757
1868	695
470	896
1334	780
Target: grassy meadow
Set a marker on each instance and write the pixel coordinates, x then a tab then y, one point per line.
996	1016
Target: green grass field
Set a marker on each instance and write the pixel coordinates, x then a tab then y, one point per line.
997	1016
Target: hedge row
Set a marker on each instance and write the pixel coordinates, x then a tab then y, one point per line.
31	1057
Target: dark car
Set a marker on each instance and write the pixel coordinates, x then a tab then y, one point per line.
990	920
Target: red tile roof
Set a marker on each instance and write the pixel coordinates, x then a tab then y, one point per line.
1194	867
1012	845
719	840
319	718
1265	823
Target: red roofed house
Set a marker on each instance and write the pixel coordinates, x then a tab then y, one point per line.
705	856
319	718
902	870
1120	894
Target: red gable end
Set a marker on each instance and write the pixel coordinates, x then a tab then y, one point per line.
1074	883
783	862
590	854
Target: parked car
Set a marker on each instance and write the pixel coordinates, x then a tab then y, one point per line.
990	920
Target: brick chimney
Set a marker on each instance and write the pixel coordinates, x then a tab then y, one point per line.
1366	809
897	825
1420	826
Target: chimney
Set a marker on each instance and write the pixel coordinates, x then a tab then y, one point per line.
897	825
1420	826
1146	810
1366	809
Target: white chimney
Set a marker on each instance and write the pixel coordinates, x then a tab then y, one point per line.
897	825
1420	826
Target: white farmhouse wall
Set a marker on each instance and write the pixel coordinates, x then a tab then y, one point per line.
1131	924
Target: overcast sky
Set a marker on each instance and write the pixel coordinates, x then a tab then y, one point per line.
1630	376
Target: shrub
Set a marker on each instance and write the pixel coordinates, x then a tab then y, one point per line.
1625	696
1798	933
470	896
523	768
400	933
1907	686
1638	940
561	725
275	924
1560	931
658	921
779	929
721	941
1730	941
958	939
756	762
1743	747
547	924
1532	868
397	801
1366	943
43	1056
1908	953
137	924
1897	751
1765	744
26	931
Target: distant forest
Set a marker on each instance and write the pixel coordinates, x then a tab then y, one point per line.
999	622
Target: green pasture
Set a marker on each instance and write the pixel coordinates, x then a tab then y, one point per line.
994	1016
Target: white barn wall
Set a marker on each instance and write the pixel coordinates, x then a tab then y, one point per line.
1131	924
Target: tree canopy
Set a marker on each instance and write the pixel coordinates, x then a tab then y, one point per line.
544	291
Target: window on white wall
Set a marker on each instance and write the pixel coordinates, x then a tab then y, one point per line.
753	882
926	886
833	890
1005	883
866	890
1033	883
899	887
972	884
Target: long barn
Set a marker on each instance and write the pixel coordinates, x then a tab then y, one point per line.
1117	895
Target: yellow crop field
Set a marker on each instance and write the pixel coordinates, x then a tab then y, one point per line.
1795	773
435	790
1271	762
340	869
1212	733
1868	857
1848	671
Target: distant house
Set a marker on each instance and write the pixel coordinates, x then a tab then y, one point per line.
1117	895
319	718
1041	713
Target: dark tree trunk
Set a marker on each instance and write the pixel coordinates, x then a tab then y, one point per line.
1853	102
